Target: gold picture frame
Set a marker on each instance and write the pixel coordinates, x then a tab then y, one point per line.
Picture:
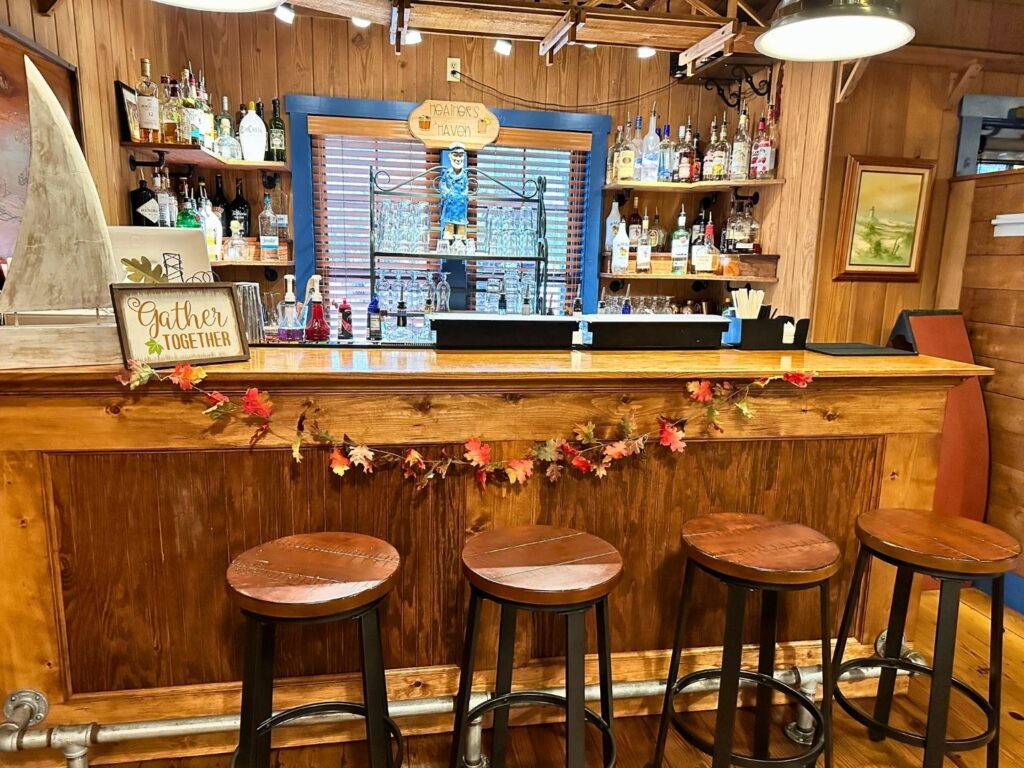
883	220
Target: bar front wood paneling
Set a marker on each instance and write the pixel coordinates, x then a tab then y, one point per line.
121	512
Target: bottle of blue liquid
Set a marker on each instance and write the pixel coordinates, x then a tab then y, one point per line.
373	321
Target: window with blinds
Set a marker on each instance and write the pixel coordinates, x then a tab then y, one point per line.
341	211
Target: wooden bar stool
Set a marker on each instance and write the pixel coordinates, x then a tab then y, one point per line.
547	569
313	578
748	553
953	550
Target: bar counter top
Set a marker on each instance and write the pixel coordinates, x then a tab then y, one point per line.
307	366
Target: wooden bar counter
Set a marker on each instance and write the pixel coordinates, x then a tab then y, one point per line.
120	511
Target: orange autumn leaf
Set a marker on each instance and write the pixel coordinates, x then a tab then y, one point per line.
257	403
186	377
340	463
671	436
477	454
413	459
701	391
519	470
620	449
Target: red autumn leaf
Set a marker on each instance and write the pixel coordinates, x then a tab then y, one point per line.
568	450
261	430
482	475
798	378
620	449
413	461
671	436
340	463
477	454
216	398
582	463
701	391
257	403
519	470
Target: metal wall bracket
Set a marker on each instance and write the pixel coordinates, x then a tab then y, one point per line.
730	87
269	179
26	700
158	163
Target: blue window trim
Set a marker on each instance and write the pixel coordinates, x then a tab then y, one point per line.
300	149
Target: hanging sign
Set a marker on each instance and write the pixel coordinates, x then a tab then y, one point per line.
439	124
164	324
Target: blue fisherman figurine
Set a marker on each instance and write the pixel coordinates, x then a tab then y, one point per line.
453	185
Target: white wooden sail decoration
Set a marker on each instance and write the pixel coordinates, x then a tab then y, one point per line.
63	258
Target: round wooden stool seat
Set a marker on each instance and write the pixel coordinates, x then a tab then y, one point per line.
313	575
759	550
938	542
541	565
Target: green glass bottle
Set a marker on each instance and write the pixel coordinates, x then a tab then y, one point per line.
187	216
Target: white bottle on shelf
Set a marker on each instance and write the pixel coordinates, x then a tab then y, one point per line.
252	135
620	250
611	225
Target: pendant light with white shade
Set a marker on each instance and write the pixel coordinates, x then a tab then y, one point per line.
834	30
224	6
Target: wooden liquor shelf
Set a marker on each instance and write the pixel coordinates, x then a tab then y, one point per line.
696	186
690	278
185	154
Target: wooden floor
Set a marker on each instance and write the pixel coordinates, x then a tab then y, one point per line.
541	747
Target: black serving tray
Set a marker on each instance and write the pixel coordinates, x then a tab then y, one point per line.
657	332
764	333
471	331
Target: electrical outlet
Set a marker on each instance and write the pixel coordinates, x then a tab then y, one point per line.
453	69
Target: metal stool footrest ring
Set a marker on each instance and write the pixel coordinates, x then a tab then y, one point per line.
800	760
325	708
914	739
536	697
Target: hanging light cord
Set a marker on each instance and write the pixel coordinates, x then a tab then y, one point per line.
493	91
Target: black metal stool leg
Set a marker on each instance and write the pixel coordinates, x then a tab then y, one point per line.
850	609
465	680
673	665
375	692
826	670
576	723
257	693
766	666
503	683
942	677
732	657
604	663
893	647
995	665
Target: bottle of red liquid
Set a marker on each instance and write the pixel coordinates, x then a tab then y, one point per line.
317	327
344	319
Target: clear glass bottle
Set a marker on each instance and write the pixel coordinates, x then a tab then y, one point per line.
148	97
213	230
170	115
651	151
611	166
625	157
657	234
269	240
237	247
681	245
666	156
638	147
739	162
708	171
720	153
643	251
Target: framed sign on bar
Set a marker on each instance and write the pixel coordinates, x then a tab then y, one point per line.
439	124
164	324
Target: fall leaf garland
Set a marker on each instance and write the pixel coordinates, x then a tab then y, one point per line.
585	454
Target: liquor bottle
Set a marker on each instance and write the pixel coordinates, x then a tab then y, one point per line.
170	115
238	209
242	112
213	230
186	124
739	163
707	173
187	216
278	148
226	145
209	122
635	223
611	166
651	151
643	251
697	161
697	238
219	202
252	135
667	156
147	95
611	224
657	234
681	245
225	116
344	319
638	147
201	196
162	202
374	331
705	254
721	164
626	154
144	205
620	251
269	241
762	163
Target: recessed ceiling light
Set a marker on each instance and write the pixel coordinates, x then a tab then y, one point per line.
591	46
504	47
412	37
223	6
361	23
285	13
645	52
834	30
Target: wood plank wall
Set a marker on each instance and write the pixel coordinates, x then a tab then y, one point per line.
992	300
899	110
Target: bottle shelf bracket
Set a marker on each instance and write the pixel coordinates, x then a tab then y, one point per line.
159	163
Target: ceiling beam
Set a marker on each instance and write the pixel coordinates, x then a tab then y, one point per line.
848	80
958	84
745	7
47	7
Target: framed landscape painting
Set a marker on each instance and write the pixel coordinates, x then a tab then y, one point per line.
883	219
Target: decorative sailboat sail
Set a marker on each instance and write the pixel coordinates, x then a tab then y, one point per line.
63	258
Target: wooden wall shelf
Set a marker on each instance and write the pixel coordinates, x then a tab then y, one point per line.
689	278
182	154
250	263
696	186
